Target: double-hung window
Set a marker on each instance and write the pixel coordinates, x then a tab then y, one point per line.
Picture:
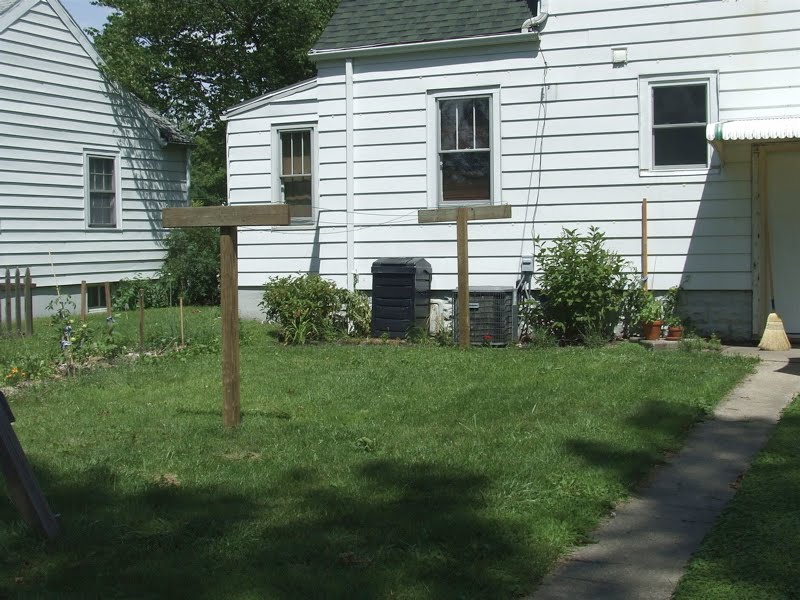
675	112
102	193
465	149
296	173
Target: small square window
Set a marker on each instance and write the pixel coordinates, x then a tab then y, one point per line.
674	113
101	178
465	155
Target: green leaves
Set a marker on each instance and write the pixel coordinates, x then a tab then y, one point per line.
192	59
582	285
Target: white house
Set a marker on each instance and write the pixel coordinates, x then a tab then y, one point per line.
85	168
570	111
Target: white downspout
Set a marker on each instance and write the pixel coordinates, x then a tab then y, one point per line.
349	174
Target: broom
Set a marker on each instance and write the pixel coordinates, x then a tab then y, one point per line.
774	338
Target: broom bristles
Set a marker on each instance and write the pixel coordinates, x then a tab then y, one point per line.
774	338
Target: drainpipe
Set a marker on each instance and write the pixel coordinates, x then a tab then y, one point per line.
537	22
349	173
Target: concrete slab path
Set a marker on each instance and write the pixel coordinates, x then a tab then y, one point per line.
642	551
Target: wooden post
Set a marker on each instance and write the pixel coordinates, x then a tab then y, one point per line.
228	218
107	286
644	244
462	251
229	283
9	324
28	304
18	298
462	216
141	318
180	309
83	301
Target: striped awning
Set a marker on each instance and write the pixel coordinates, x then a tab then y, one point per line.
772	129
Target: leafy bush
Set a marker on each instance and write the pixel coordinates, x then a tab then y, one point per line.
308	308
126	294
582	286
191	266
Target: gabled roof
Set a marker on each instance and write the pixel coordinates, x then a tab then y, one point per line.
168	132
358	23
264	99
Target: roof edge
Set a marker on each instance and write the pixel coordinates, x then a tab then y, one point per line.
466	42
264	99
754	129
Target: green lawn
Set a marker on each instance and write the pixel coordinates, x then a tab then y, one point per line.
358	471
752	552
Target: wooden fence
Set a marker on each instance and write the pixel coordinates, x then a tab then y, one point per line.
19	292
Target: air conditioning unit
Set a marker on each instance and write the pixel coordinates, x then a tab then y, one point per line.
490	316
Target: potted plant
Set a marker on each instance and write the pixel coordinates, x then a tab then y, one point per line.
651	316
671	318
674	328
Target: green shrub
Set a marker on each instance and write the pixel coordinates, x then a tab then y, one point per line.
126	294
582	286
191	266
308	308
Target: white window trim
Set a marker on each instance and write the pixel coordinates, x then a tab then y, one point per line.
276	190
103	153
646	84
434	183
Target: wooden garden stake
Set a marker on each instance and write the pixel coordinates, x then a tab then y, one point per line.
228	218
141	318
644	244
462	216
107	286
9	325
83	301
180	310
18	298
28	303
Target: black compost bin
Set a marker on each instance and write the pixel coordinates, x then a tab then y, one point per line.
401	296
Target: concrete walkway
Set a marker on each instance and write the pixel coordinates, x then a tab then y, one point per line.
641	552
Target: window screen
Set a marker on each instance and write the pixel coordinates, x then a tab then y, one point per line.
465	152
102	192
680	115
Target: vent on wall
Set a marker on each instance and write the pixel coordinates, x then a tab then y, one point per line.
490	316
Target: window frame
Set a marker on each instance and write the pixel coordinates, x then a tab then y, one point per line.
646	122
88	154
433	138
277	167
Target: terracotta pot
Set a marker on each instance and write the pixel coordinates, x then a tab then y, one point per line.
651	330
674	333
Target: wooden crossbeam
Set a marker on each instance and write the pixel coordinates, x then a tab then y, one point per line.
228	218
462	215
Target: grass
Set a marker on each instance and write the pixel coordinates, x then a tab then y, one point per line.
358	472
751	554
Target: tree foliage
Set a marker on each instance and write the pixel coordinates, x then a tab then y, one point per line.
193	59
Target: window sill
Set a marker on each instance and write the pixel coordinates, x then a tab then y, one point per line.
679	172
103	229
298	227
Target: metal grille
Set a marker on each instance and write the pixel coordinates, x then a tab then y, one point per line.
489	316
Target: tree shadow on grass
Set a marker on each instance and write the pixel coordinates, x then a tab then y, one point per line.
407	531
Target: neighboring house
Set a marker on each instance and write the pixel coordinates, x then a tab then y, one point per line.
85	168
570	111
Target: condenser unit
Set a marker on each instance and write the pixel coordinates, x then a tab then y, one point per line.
490	316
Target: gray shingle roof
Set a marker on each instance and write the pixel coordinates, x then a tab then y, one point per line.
7	4
168	130
376	22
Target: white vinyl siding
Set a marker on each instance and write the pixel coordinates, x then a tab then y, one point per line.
55	108
569	151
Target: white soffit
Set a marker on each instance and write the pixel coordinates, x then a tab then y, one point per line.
778	128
